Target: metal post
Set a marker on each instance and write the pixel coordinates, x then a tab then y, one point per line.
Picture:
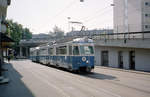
0	54
68	23
27	52
0	50
20	51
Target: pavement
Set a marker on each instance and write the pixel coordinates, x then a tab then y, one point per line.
125	70
28	79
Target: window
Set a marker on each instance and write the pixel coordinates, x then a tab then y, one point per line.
50	51
70	50
147	15
62	50
86	50
147	26
75	50
43	52
146	3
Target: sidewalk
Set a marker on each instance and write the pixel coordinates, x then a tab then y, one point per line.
15	88
124	70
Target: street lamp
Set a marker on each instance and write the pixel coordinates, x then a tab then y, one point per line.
81	0
68	23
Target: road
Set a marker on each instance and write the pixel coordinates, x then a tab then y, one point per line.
41	81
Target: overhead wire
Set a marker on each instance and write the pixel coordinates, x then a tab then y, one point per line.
62	11
95	13
99	14
70	5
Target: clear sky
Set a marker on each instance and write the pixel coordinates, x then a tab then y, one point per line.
40	16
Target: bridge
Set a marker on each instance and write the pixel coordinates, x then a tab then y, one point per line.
126	40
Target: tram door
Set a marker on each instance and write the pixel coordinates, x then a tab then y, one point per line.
120	57
132	60
105	58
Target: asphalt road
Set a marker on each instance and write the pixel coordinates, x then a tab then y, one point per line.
30	79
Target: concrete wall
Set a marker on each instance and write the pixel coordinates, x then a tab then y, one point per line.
146	10
131	15
142	57
129	43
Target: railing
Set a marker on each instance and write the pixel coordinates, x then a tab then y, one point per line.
105	37
129	35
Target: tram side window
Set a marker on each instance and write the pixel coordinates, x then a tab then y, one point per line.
57	51
61	50
43	52
70	50
75	50
50	51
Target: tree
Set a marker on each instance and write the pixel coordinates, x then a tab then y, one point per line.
17	32
26	34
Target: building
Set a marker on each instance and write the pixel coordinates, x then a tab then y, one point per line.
4	40
128	47
131	16
126	53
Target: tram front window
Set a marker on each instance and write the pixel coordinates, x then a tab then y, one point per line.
75	50
86	50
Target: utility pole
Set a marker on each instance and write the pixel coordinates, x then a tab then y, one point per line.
0	49
68	23
81	0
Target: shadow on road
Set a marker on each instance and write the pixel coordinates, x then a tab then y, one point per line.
93	75
15	88
100	76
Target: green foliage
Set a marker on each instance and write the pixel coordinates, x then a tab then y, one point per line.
17	32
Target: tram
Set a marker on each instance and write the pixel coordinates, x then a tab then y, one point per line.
76	55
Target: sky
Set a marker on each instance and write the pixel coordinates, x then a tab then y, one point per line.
40	16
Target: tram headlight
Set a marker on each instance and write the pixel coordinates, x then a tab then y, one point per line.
83	59
87	61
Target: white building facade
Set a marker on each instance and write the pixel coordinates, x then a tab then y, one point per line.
125	58
131	16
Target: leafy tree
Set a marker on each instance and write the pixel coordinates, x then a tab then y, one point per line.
17	32
26	34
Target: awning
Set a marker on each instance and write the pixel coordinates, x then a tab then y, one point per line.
4	38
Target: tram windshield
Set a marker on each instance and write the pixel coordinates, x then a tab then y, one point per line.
86	50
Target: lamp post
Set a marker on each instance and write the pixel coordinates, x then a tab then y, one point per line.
0	48
81	0
68	23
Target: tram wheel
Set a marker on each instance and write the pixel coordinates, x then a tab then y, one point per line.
88	69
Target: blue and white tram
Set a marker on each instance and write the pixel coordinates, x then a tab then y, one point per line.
34	54
75	55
